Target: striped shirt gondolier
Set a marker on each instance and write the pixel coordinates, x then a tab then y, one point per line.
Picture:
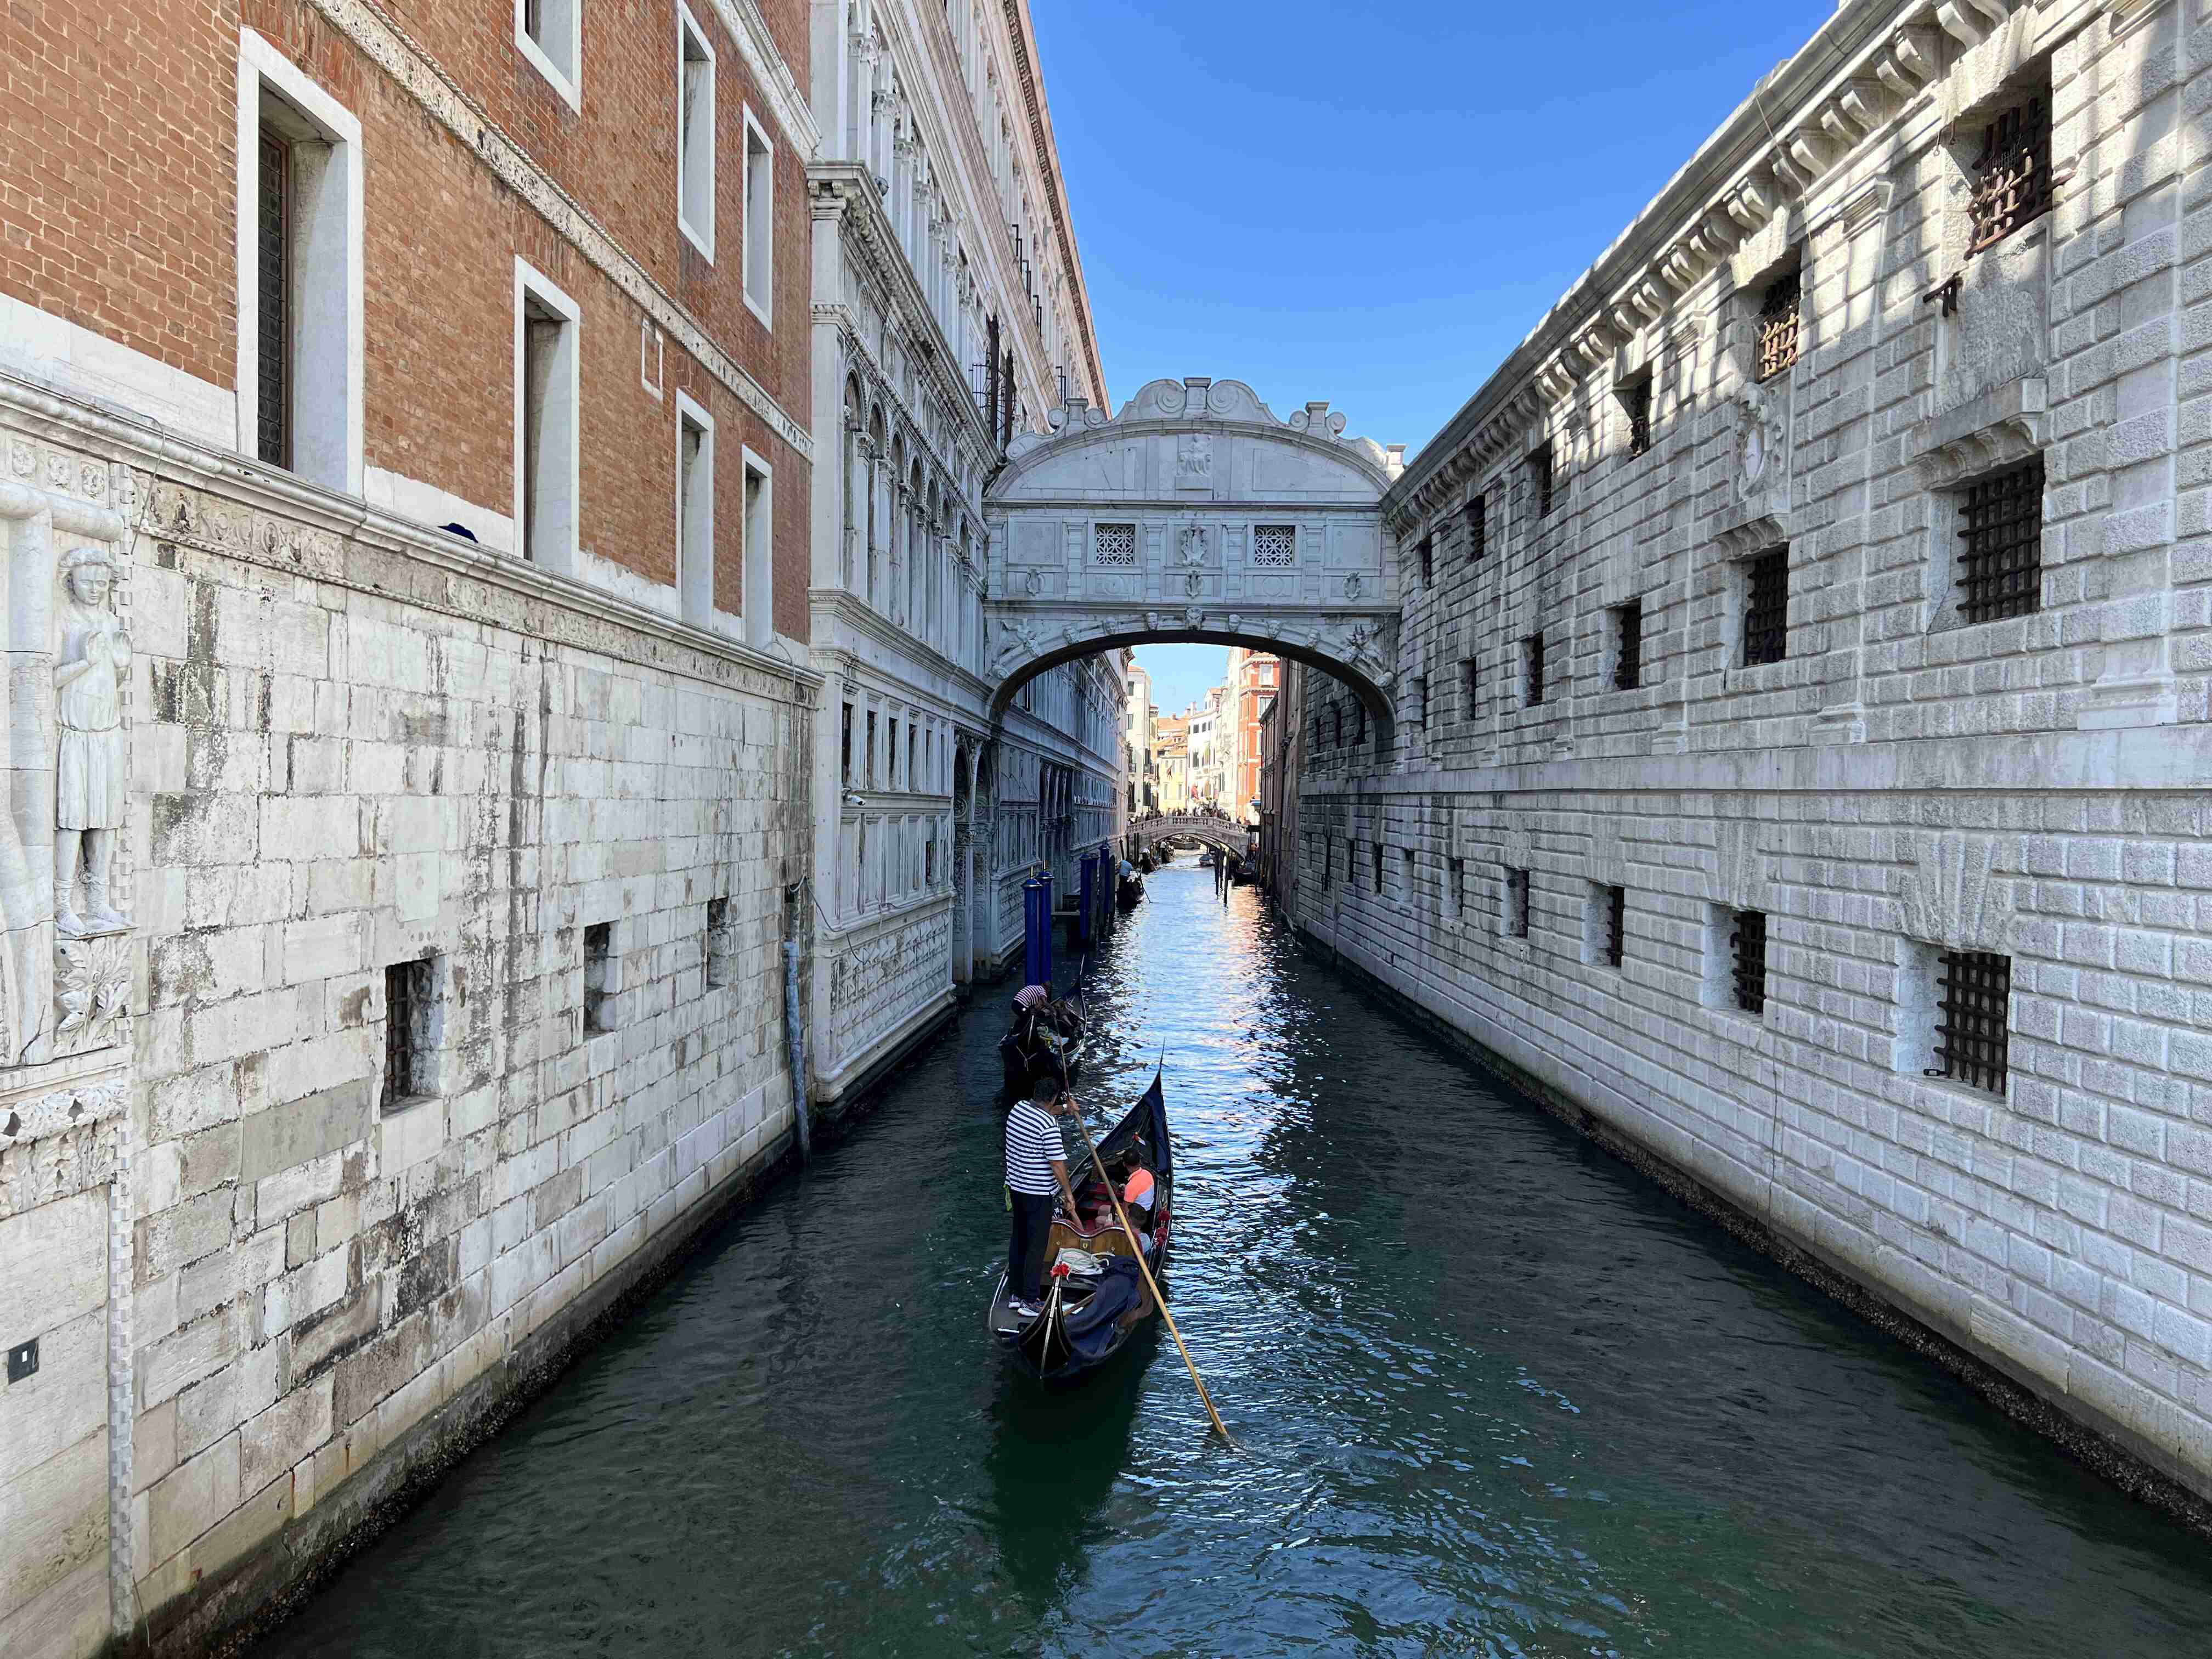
1032	1142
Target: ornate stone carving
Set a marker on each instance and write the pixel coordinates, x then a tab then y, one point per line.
1352	587
92	663
1758	438
92	992
1194	461
2000	426
1190	547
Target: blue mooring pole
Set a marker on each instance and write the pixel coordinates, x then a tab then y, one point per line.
1090	888
1037	930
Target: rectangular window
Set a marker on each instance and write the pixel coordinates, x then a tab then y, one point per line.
546	412
1375	850
1628	646
550	34
1609	924
1539	475
694	132
1516	904
845	747
695	509
1478	528
298	253
2001	522
872	748
1748	949
929	862
718	942
1532	656
1454	887
892	773
1421	699
601	981
2013	182
1778	325
1467	682
912	757
1766	607
410	1032
1428	560
1114	546
1976	1001
1274	546
1635	404
758	601
1405	875
759	253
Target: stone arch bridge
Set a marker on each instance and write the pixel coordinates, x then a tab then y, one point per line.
1189	826
1195	514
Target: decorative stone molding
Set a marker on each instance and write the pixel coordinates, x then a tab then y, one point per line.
1748	536
2003	425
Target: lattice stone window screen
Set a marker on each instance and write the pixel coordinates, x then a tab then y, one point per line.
2000	521
1274	546
1114	545
1778	317
1977	1006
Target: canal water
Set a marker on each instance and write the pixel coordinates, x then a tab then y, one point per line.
1492	1394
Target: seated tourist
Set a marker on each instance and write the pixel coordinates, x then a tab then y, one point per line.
1137	1198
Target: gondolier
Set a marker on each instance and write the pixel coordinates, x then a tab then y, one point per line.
1037	1173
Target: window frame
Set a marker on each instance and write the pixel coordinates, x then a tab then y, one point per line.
698	229
694	566
756	548
1627	644
1754	626
758	253
532	284
1966	1069
568	83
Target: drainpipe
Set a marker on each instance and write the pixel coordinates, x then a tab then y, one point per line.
792	897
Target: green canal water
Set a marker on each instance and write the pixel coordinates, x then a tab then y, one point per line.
1493	1394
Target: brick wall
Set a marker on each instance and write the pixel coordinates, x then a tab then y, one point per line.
1898	785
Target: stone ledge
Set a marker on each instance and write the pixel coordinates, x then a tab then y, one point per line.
2001	426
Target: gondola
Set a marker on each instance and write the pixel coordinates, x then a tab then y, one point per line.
1035	1047
1131	892
1099	1306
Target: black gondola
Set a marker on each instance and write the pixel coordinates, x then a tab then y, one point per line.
1090	1316
1131	892
1047	1043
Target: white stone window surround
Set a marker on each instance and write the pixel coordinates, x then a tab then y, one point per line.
549	536
758	550
694	512
757	260
695	132
429	1034
560	59
1990	434
328	357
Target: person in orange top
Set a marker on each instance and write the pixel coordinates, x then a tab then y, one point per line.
1137	1196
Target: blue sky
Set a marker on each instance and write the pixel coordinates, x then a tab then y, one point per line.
1367	203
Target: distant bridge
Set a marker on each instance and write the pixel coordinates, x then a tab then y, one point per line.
1214	832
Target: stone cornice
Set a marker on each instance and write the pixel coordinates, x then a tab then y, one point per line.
856	614
1048	156
471	573
765	60
423	79
1872	64
2005	424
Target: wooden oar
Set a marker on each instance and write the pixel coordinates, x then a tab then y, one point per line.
1136	1241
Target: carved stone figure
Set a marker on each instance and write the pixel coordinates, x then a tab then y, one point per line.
91	787
1194	461
1756	437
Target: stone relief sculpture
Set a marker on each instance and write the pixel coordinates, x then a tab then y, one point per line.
1757	437
91	784
1194	461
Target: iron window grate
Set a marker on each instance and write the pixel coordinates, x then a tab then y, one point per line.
1637	400
1748	943
1778	325
272	305
1516	904
1534	645
1616	926
1478	528
1421	698
1628	661
2000	521
403	999
1766	607
2012	183
1977	1005
1540	469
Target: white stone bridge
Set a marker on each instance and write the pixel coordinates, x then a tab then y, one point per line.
1195	514
1180	826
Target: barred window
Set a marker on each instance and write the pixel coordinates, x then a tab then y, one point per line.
1375	850
1428	560
1747	943
1540	473
1114	545
1467	677
1274	546
407	1003
1766	607
1615	940
1778	325
1533	651
1421	698
1628	646
1636	400
1516	904
1478	528
2013	182
1977	1007
2000	521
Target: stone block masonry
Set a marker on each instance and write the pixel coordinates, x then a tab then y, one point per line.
1826	574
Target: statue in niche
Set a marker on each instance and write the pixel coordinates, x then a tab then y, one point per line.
91	786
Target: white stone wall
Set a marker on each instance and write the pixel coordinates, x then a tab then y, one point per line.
354	746
1898	785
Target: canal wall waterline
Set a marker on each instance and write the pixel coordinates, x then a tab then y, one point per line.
1729	1196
